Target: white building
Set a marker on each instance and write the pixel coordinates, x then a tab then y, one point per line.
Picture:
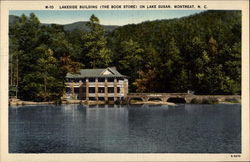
97	84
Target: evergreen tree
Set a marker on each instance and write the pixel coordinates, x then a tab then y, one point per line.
44	83
95	53
131	59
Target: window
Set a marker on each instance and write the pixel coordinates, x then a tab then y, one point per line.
92	98
76	90
101	90
91	89
118	89
110	79
76	80
111	98
110	89
91	79
101	79
101	98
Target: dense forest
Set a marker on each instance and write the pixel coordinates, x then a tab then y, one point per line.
201	52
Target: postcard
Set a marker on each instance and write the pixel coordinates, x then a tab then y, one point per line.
124	81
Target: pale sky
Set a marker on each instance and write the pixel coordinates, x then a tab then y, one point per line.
106	17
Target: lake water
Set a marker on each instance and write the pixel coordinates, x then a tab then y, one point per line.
183	128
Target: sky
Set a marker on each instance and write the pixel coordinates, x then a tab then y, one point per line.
106	17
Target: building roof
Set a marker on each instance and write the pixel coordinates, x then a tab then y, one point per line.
109	72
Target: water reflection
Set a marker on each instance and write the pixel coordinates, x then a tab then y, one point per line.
108	128
104	106
183	128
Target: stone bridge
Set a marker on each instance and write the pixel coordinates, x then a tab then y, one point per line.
186	97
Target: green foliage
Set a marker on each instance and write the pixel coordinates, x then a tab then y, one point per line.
201	52
118	102
145	82
210	100
95	53
37	51
58	101
107	102
131	59
195	101
232	100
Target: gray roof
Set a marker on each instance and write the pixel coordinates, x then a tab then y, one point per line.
97	73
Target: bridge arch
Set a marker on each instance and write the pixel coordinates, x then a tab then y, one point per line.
176	100
135	98
155	99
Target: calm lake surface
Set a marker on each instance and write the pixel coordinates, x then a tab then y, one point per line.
183	128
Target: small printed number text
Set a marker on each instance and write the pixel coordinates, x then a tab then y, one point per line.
235	156
49	7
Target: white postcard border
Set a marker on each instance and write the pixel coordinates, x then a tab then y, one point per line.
40	5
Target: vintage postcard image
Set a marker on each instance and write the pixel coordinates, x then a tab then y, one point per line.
112	81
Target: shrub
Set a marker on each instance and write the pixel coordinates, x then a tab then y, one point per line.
195	101
118	102
232	100
58	102
210	100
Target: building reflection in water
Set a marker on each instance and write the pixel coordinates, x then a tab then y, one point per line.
108	127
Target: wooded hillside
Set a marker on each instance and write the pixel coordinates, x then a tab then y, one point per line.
200	52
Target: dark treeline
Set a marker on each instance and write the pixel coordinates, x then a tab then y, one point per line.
200	52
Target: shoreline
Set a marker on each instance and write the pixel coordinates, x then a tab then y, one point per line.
17	102
153	103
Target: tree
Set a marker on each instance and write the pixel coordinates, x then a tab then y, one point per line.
130	62
64	52
24	35
48	70
37	51
13	66
44	82
232	67
95	53
146	81
169	65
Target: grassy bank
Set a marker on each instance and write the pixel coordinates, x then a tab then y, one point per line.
212	100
